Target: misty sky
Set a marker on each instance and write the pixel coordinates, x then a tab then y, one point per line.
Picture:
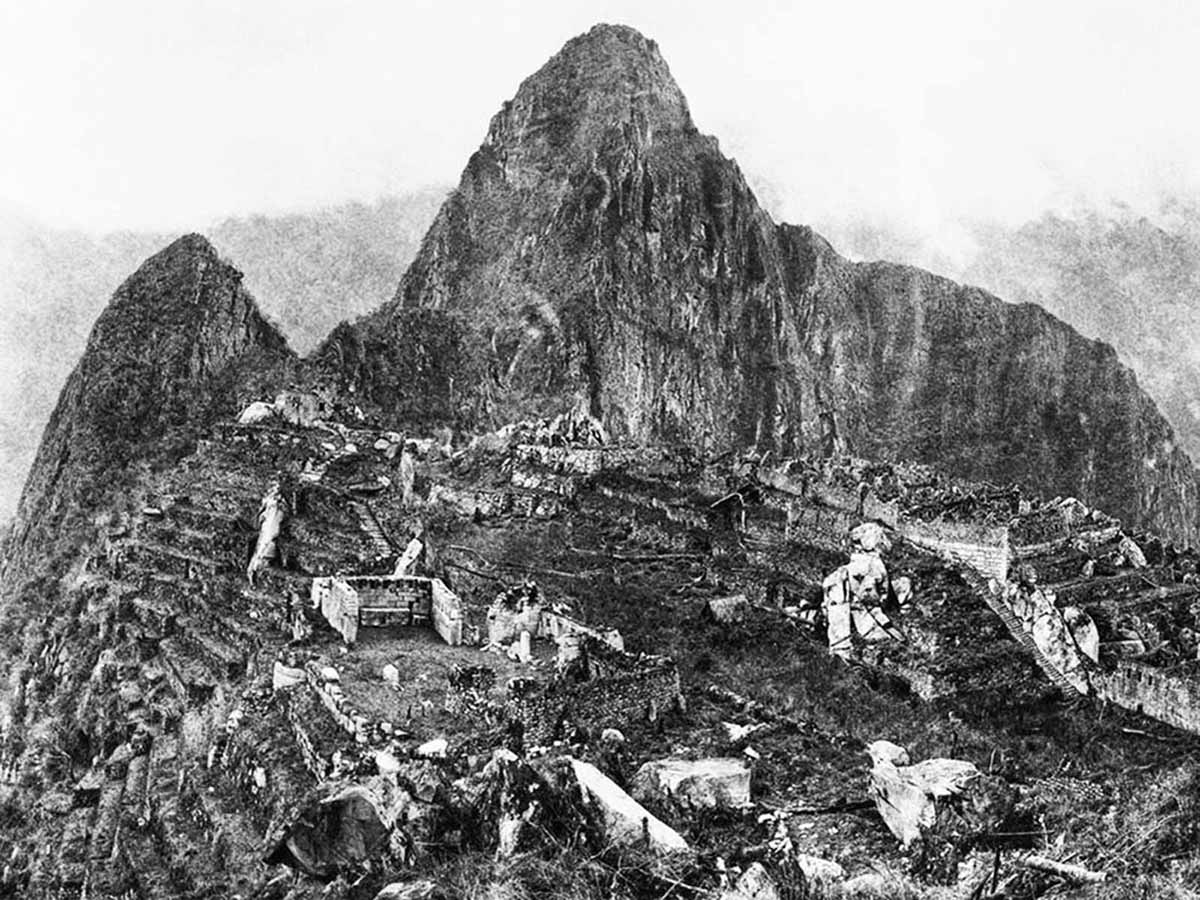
170	115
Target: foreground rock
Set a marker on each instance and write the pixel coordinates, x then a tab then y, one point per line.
624	820
408	890
714	783
906	795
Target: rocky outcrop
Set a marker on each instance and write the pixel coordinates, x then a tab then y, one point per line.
602	255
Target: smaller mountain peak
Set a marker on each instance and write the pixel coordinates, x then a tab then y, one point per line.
193	244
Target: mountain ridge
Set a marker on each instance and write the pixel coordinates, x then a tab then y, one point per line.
621	266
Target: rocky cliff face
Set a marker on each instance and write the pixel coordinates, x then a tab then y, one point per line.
174	347
600	253
1125	279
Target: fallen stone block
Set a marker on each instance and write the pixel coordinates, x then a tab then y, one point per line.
714	783
728	610
625	820
283	676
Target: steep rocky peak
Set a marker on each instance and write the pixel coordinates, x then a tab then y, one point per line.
612	76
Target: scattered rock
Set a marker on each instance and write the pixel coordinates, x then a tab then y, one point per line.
714	783
754	884
869	537
1132	552
391	675
611	736
1083	629
284	676
386	763
347	827
820	870
435	749
256	413
408	890
738	733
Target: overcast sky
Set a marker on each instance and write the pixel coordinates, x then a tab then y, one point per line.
169	115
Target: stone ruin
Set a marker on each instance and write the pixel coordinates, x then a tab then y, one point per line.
602	688
1098	611
388	601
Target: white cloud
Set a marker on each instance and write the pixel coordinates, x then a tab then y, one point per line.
145	114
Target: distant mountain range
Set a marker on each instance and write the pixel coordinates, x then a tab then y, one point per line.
1125	278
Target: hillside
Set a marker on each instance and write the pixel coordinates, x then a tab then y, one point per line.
638	547
179	344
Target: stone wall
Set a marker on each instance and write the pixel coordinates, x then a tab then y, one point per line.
447	612
983	548
1168	697
338	602
820	526
587	460
620	689
555	626
387	601
470	691
491	503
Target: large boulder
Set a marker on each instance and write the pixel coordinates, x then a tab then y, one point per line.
728	610
714	783
624	820
339	831
907	796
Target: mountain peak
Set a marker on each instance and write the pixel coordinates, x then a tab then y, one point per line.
175	273
609	78
164	358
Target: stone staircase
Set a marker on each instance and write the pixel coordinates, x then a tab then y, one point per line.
983	589
372	529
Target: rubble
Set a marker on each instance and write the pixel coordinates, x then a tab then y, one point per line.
513	611
434	749
714	783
